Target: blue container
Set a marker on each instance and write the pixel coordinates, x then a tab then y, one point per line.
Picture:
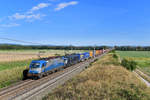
72	59
86	55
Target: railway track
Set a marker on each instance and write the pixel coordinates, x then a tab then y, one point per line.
36	89
15	86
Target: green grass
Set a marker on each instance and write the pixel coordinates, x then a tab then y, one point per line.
10	65
10	76
11	72
137	54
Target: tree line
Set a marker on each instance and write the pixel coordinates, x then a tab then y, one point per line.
132	48
25	47
71	47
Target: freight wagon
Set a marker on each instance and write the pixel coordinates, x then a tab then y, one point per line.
91	54
86	55
72	59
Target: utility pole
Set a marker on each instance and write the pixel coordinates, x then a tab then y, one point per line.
71	48
64	52
103	49
94	51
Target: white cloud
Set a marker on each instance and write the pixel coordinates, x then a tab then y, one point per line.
63	5
29	15
34	16
9	25
18	16
39	6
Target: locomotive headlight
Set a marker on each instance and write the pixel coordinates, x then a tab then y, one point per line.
38	70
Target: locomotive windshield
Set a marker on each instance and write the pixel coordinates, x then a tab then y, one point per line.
35	65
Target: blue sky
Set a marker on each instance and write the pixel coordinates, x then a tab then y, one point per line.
76	22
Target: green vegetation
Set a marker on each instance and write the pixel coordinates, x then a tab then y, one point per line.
115	56
132	48
137	54
113	51
11	65
11	72
142	58
10	76
104	80
129	64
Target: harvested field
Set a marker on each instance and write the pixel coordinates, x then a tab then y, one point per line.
21	55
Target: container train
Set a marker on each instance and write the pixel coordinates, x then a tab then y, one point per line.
46	66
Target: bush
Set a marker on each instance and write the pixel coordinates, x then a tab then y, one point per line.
113	51
57	54
115	56
130	65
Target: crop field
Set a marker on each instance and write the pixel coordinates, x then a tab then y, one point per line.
141	57
21	55
103	80
137	54
13	62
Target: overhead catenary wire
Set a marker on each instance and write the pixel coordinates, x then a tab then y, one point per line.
20	41
102	43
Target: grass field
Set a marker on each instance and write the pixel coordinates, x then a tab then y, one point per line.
104	80
137	54
10	76
141	57
11	65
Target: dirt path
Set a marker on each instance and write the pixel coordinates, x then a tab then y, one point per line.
142	79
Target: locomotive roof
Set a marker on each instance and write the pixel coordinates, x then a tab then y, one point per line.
38	61
49	58
74	54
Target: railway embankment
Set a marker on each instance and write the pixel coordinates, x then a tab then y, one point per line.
105	79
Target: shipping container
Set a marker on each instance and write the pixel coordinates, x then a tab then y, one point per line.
91	54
